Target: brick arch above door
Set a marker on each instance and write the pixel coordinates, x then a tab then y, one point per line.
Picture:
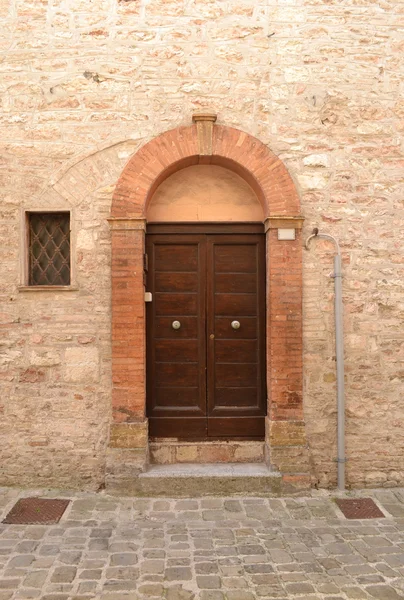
181	147
206	143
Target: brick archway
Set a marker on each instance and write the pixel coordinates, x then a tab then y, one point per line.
180	147
206	143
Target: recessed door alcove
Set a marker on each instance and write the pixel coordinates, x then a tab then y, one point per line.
194	175
206	271
204	193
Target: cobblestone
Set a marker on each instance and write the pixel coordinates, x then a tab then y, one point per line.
248	548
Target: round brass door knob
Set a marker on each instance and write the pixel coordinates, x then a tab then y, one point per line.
235	324
176	325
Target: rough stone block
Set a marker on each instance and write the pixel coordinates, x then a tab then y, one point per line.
81	364
129	435
287	433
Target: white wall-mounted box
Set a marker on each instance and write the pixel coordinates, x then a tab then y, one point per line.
286	234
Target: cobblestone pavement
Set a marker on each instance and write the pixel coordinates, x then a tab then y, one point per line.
112	548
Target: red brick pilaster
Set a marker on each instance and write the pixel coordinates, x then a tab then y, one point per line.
285	329
128	320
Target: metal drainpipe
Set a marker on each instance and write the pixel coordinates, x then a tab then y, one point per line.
339	351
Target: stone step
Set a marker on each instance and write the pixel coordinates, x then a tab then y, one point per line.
187	480
169	451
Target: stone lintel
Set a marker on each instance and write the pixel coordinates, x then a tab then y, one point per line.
129	435
122	223
283	222
204	127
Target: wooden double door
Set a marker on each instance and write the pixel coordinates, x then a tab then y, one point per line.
206	331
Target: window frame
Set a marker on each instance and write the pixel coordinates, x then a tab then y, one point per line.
25	240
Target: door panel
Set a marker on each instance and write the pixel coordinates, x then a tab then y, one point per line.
236	357
177	257
176	358
206	379
235	304
236	396
164	328
234	258
172	398
231	375
179	350
176	282
176	305
227	282
184	375
234	351
224	330
231	427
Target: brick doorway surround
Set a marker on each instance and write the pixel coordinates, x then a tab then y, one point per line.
205	142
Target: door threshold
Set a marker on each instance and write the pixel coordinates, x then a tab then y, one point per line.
210	470
192	480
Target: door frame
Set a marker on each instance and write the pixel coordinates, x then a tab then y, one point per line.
214	228
205	142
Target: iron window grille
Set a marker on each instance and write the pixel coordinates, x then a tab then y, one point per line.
49	248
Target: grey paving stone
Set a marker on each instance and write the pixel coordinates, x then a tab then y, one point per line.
63	574
152	566
9	584
26	546
235	582
24	560
27	594
299	588
355	593
48	549
90	574
35	579
211	582
177	592
87	587
121	573
384	592
122	596
178	574
152	589
71	557
239	595
259	568
233	506
265	548
206	568
123	559
119	586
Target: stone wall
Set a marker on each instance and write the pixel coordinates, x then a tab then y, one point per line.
84	84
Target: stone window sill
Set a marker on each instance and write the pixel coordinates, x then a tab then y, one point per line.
48	288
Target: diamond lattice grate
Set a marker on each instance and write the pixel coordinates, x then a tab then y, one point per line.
49	249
